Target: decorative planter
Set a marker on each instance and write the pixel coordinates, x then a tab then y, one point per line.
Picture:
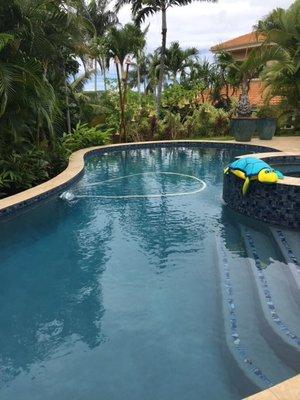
266	128
243	128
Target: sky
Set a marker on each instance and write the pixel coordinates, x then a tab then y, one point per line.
203	25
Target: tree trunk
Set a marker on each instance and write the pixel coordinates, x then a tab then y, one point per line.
122	114
162	58
125	85
104	78
138	79
245	87
95	75
138	73
68	116
102	64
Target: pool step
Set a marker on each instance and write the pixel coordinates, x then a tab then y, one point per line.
288	243
249	348
278	296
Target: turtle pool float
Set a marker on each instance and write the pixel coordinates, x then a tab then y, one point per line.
251	169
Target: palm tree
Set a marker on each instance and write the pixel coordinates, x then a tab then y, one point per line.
102	19
146	73
178	61
281	57
37	57
141	9
124	45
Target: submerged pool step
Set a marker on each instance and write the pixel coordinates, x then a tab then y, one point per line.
288	243
277	290
278	296
249	348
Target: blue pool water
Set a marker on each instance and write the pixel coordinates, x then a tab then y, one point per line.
140	284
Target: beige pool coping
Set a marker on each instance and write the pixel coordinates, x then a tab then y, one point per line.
76	165
287	390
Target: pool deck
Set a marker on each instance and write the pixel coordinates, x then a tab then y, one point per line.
286	390
282	143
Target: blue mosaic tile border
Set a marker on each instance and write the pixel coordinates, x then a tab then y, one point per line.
290	253
277	204
134	146
295	340
234	325
8	211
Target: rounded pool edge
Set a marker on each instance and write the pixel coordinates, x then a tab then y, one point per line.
275	204
10	205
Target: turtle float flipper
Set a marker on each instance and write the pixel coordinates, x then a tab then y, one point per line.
246	186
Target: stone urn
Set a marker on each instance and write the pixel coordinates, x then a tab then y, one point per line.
243	126
266	128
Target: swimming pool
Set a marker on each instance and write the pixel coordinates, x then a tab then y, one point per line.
139	284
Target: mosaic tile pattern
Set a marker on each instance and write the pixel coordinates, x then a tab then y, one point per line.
34	200
293	338
241	352
277	204
290	159
289	251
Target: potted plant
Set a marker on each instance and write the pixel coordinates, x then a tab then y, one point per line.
266	122
244	125
241	74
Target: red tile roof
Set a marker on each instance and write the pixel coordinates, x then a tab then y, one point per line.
244	41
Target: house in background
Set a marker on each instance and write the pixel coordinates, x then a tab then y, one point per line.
239	48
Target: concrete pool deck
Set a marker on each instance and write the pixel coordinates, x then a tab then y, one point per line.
286	390
282	143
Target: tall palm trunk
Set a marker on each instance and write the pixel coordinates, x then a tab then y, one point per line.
104	77
122	108
68	115
162	58
101	62
95	75
138	76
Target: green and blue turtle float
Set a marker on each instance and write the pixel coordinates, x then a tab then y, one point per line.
251	169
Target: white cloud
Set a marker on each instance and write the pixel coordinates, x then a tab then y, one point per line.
203	25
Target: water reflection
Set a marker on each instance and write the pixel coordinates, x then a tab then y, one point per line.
50	289
53	258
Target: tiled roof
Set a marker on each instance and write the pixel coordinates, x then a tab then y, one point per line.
244	41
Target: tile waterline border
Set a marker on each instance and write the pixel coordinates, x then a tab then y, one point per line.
75	169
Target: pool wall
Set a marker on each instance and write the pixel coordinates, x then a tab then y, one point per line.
20	201
277	204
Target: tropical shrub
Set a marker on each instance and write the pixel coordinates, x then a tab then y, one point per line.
268	111
207	121
178	99
84	136
171	127
22	170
